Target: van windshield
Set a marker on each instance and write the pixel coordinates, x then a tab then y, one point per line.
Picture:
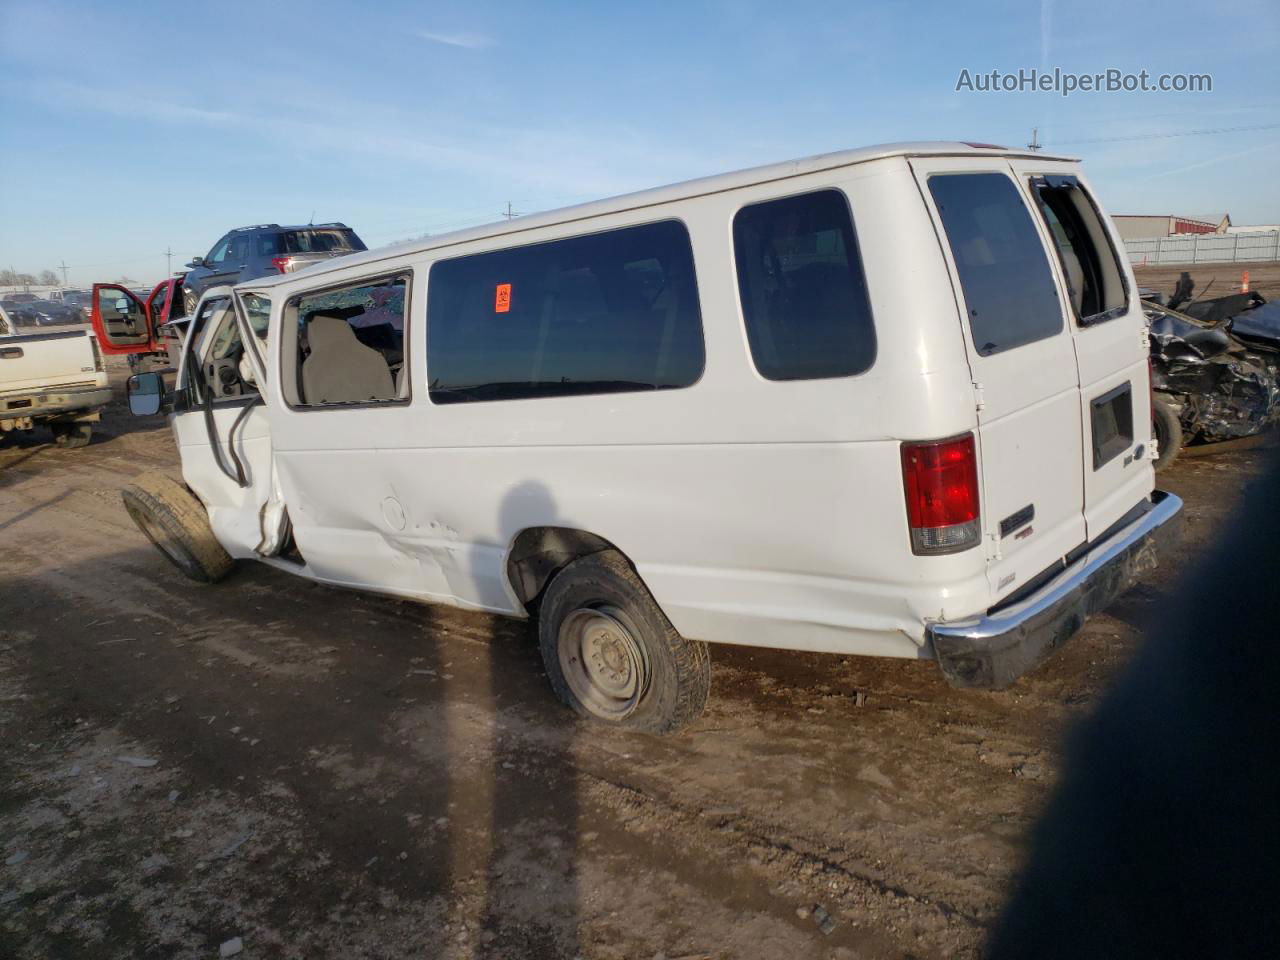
1003	269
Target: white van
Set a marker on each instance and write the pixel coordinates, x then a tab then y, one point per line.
890	401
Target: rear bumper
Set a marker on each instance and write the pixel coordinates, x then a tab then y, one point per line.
992	651
53	402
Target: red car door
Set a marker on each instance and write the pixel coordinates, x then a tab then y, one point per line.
122	321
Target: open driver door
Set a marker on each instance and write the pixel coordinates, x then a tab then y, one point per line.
125	325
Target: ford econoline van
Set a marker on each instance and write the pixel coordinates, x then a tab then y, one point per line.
891	401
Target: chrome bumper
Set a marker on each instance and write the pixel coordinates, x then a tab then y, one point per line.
992	651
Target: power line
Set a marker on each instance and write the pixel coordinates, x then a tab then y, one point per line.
1166	136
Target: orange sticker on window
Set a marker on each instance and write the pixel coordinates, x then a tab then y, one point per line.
502	298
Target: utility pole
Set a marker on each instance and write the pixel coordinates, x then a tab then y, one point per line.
64	273
168	261
509	213
1035	143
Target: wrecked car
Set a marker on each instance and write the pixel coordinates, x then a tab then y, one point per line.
56	379
1215	368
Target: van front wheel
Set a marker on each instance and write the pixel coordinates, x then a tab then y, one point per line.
613	656
178	525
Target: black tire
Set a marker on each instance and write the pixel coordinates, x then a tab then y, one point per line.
176	522
1166	429
72	435
602	593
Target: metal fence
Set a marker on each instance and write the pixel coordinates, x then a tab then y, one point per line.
1205	248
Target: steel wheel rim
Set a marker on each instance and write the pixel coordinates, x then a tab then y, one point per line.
602	662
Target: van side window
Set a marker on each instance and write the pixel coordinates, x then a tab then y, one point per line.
349	345
804	295
604	313
1003	268
1088	258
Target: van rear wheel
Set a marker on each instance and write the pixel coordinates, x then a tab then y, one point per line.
612	655
176	522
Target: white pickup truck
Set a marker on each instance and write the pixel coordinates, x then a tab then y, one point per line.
56	377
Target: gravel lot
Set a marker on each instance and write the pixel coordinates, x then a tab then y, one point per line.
323	773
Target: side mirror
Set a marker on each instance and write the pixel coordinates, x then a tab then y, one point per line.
146	394
196	262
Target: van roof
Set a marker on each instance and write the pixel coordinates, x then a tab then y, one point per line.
658	195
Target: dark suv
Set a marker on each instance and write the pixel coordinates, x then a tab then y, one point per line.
247	253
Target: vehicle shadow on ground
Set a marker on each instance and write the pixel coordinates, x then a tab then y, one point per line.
8	475
389	740
111	426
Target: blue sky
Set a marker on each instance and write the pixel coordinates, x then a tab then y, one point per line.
128	128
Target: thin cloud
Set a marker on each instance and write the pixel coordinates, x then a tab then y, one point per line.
468	41
1219	158
556	159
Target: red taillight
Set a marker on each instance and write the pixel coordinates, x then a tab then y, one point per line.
940	478
281	263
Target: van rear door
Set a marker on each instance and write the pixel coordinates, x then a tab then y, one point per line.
1110	336
1023	365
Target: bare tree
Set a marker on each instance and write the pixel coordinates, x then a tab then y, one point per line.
8	278
48	278
26	279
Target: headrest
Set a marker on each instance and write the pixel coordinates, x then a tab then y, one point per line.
328	333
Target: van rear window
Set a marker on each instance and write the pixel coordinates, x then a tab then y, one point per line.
609	312
1004	272
804	296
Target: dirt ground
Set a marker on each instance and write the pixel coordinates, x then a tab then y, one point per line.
322	773
1213	279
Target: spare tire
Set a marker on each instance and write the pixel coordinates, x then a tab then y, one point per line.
176	522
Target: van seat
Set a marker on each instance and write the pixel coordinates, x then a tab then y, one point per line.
340	368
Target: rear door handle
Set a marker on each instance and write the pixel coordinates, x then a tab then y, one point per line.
10	353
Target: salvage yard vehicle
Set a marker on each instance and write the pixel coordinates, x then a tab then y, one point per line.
53	378
246	253
704	413
1215	368
136	328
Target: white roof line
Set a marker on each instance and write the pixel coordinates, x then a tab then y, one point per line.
657	195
